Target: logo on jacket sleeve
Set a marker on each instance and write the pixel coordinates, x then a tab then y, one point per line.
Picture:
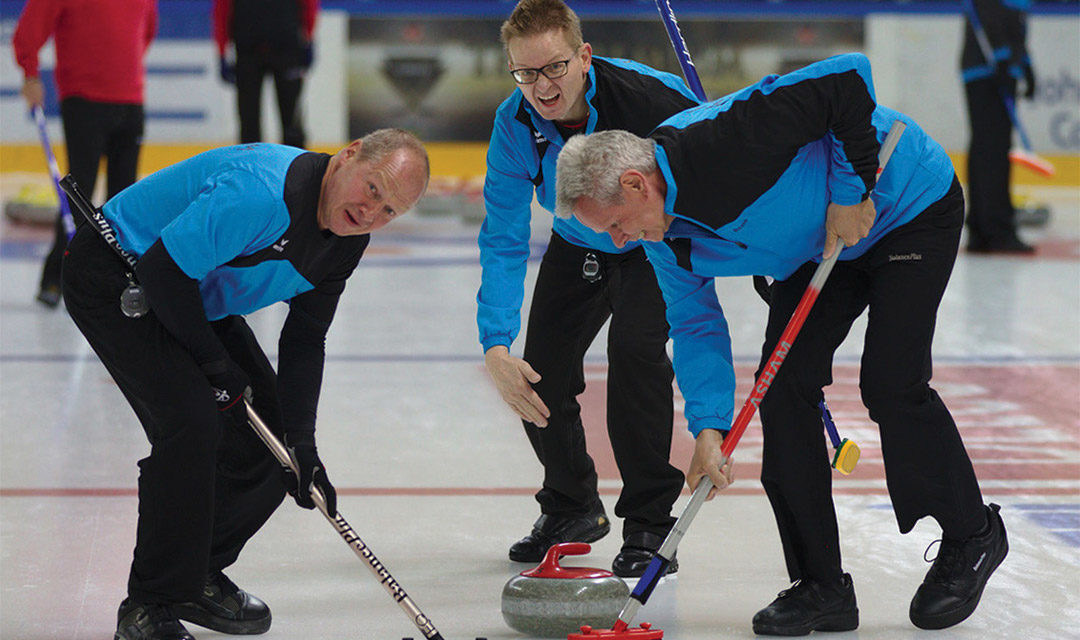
279	246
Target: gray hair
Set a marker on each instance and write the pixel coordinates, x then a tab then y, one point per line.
382	143
592	165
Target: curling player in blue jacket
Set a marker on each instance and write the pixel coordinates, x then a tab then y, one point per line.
212	238
583	282
764	182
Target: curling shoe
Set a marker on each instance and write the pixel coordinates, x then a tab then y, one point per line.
1007	245
49	295
135	621
810	606
952	588
226	608
550	530
637	552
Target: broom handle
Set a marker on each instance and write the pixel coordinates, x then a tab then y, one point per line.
54	171
347	533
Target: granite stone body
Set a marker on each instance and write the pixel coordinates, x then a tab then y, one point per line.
553	601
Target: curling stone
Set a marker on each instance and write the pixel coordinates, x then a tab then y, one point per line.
552	601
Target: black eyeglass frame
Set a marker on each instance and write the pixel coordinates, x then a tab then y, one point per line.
541	70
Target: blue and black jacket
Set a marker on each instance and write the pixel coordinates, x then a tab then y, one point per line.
234	230
621	94
242	222
749	178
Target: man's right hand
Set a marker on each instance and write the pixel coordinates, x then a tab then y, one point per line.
231	386
310	471
849	223
514	379
706	462
33	90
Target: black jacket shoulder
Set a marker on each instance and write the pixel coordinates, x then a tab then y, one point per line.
633	100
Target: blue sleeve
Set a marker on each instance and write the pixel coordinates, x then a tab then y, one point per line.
701	342
234	214
504	238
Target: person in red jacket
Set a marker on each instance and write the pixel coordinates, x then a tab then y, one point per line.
269	37
100	73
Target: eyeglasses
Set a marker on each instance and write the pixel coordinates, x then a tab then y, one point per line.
551	71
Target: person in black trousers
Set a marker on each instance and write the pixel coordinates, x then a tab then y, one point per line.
101	94
991	217
707	209
270	37
218	236
564	91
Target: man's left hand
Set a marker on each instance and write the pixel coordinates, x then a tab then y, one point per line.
706	461
307	55
310	472
850	223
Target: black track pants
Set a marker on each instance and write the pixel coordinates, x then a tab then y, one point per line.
252	67
566	314
901	281
991	217
208	483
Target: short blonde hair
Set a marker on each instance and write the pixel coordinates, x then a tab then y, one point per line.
532	17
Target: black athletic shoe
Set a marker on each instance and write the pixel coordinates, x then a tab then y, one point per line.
135	621
1036	215
810	606
551	530
952	588
637	552
49	296
1011	245
226	608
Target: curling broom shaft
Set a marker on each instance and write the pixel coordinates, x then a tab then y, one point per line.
662	560
54	171
347	533
779	354
667	14
830	426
